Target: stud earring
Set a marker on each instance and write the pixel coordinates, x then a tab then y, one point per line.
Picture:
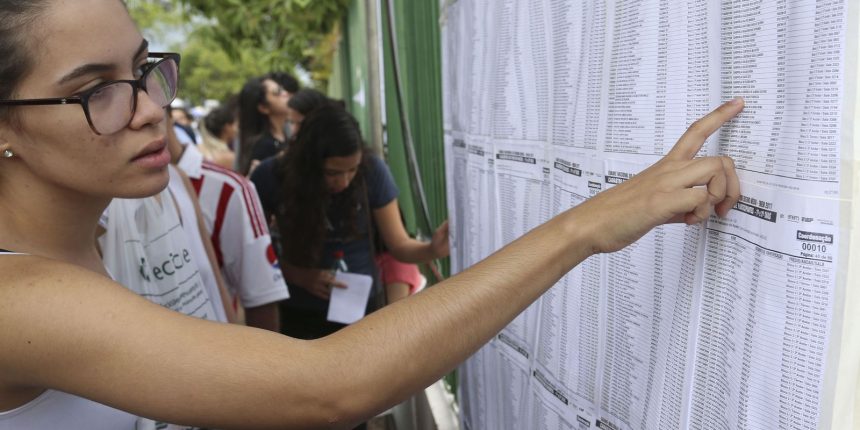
8	153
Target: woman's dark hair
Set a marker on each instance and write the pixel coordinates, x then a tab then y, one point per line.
16	22
307	100
285	80
326	132
252	123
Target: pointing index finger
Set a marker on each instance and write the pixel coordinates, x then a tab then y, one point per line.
693	139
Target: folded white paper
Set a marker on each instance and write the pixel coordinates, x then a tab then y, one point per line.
347	305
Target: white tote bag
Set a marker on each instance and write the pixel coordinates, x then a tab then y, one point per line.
145	249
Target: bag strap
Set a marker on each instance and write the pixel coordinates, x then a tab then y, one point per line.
381	296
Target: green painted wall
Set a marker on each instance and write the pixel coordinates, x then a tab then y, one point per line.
349	77
416	29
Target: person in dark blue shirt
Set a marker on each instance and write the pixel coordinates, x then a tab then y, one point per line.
329	194
262	118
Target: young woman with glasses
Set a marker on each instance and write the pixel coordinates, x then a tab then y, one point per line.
83	121
262	121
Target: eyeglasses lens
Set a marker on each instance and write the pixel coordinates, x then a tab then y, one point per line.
111	108
161	82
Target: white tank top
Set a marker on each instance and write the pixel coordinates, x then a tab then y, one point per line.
59	410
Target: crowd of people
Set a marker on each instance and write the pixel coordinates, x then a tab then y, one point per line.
142	285
323	193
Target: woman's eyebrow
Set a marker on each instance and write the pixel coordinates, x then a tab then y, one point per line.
84	70
94	68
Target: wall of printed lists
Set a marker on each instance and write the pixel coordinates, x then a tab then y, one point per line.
745	322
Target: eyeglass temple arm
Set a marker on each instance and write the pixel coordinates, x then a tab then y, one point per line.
37	102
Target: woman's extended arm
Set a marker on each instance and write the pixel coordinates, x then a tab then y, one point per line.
79	332
398	242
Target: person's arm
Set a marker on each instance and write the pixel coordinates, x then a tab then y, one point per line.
249	258
121	350
403	247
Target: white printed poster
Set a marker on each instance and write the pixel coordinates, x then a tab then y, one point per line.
727	324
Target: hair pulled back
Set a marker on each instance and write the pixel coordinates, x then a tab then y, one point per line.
17	18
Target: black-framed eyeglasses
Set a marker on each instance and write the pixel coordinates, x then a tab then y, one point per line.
278	91
110	106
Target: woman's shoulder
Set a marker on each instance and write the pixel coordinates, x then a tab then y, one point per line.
267	170
374	161
48	289
44	301
26	266
37	276
271	163
380	182
375	167
59	318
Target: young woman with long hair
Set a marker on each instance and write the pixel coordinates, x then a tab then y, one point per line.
262	118
83	121
329	193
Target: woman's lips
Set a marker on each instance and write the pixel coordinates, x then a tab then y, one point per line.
155	155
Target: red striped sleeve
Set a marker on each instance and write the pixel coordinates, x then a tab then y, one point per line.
252	205
223	201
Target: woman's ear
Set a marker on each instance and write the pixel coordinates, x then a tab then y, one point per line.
6	148
263	109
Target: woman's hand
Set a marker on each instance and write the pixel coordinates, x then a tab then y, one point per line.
678	188
439	242
317	282
403	247
322	284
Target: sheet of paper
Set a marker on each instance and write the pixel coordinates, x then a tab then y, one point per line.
523	190
661	74
651	289
569	319
576	73
471	186
512	383
455	157
347	305
478	402
474	68
521	70
548	407
766	309
785	59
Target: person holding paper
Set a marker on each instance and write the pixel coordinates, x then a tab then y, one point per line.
82	120
329	194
